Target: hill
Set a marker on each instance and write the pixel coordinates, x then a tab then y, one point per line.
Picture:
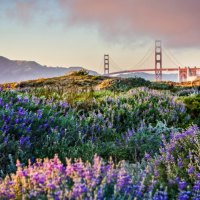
79	81
19	70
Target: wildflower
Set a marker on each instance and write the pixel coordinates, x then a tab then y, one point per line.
190	170
182	185
196	186
160	195
184	195
50	185
147	156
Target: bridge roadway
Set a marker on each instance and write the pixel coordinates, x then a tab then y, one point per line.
143	70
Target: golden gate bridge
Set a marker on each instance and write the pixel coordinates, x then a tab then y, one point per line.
184	73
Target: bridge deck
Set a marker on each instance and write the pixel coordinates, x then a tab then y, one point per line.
143	70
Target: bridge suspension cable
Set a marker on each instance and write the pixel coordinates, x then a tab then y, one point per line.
115	64
175	59
147	55
170	58
146	60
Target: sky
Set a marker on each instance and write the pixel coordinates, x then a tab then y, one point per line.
79	32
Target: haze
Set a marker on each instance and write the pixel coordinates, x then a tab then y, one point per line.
78	32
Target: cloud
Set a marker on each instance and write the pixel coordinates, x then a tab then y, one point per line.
174	21
22	10
26	11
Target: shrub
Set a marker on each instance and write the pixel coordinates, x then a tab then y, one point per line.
124	85
174	174
187	92
146	139
177	168
33	127
193	105
81	72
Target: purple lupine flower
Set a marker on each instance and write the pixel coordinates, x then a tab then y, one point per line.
25	141
184	195
147	156
64	104
182	185
51	186
1	102
196	186
26	99
160	195
5	140
100	193
78	190
197	176
190	170
180	162
39	114
123	180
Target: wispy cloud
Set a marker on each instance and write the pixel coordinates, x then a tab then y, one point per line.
27	11
22	10
174	21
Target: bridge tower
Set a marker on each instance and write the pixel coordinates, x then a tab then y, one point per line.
182	74
187	73
158	60
106	64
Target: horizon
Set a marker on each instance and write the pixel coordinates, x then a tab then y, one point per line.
66	34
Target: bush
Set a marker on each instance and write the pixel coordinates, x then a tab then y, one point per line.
193	105
81	72
177	168
124	85
33	127
161	86
174	174
146	139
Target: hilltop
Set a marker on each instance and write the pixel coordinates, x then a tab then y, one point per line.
83	81
80	81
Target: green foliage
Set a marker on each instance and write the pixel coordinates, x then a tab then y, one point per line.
124	85
88	123
121	122
81	72
147	139
124	125
193	104
177	167
161	86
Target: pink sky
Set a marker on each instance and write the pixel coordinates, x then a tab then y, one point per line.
175	21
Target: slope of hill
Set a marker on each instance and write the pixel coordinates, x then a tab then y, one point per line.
79	81
14	70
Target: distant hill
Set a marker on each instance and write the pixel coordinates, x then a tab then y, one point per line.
17	70
150	77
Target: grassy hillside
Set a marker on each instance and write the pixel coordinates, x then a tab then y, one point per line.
151	131
79	81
